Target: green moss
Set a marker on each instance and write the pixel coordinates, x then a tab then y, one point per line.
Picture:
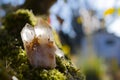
15	21
65	66
52	75
64	70
10	32
21	68
3	73
11	51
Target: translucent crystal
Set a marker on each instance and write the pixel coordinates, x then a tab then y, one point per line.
27	33
39	45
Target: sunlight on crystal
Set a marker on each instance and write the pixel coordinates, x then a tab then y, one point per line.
28	33
38	46
39	31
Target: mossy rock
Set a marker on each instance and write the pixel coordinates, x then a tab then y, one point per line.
15	21
24	71
20	67
3	73
12	51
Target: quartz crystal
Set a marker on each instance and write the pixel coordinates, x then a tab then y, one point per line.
40	45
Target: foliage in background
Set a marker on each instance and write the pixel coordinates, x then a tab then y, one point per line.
93	68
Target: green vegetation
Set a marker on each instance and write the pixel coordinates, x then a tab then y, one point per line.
3	73
15	21
93	68
13	56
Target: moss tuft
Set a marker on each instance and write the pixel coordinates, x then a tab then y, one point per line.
15	21
52	75
3	73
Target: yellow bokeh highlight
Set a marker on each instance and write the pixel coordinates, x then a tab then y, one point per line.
109	11
119	11
66	49
79	20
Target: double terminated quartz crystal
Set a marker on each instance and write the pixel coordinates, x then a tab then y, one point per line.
39	45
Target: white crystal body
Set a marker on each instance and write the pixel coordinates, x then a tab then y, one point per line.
39	45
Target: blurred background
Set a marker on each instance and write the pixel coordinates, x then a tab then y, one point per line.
89	31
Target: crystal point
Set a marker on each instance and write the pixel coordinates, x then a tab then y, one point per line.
27	33
39	45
